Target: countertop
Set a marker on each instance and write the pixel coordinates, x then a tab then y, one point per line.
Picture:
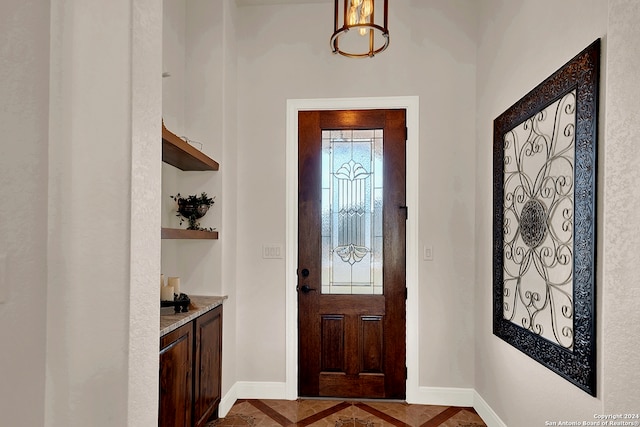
170	320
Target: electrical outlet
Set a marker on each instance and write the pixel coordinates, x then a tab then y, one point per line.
272	251
428	253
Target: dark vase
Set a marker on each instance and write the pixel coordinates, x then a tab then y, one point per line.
189	210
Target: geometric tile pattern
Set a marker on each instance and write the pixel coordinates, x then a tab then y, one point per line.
345	413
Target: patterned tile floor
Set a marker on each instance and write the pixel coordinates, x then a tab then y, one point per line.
345	413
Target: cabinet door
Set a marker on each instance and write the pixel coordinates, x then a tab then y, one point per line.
207	384
176	359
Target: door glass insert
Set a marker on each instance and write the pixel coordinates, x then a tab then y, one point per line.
352	184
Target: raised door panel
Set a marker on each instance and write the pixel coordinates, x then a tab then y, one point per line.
371	344
332	342
207	380
352	355
175	378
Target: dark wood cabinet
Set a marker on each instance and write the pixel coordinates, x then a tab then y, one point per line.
191	372
207	385
176	384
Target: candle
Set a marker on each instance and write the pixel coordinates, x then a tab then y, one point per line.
166	294
175	282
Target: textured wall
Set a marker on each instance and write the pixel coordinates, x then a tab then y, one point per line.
146	152
24	96
621	237
520	44
103	246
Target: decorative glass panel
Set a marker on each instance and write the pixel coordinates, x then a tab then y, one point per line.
352	212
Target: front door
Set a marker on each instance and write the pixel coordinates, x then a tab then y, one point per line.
351	253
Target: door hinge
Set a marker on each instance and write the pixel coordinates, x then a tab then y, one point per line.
406	211
406	134
406	293
406	373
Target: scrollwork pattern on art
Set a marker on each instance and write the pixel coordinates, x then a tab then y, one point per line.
544	221
538	213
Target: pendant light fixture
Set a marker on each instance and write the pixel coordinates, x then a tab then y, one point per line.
360	28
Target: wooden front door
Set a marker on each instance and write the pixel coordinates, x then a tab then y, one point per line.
351	253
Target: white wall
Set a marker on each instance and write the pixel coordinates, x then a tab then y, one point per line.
24	94
621	238
283	53
229	193
80	158
173	100
144	249
103	247
79	286
520	44
193	106
199	102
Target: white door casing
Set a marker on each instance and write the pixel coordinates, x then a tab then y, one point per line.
411	104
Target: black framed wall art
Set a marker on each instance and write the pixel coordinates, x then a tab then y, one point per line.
544	230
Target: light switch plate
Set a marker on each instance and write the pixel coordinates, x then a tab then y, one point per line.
272	251
428	253
4	282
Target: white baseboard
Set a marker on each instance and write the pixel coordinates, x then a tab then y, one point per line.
261	390
251	390
227	401
444	396
490	418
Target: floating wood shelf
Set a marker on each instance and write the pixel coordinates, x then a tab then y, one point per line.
179	153
179	233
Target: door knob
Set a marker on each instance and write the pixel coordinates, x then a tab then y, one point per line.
306	289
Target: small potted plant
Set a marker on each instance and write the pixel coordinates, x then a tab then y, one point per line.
192	208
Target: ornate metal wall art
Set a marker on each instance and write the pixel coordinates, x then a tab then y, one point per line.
544	188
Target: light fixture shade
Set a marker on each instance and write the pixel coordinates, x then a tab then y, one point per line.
360	28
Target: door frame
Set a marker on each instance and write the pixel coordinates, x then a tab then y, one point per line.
411	105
